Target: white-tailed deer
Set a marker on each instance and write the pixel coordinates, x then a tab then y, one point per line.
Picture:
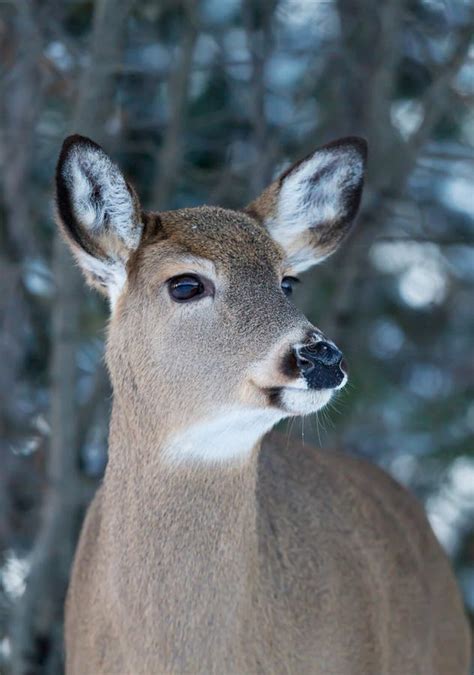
209	549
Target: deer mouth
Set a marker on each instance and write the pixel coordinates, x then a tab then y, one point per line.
296	401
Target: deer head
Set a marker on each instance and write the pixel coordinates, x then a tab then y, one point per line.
203	334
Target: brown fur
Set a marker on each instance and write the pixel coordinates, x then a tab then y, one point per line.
298	561
286	560
303	561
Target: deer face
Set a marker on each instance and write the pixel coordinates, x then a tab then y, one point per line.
203	327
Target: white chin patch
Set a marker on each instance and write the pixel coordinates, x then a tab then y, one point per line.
230	435
304	401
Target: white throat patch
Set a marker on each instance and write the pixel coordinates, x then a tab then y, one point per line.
229	436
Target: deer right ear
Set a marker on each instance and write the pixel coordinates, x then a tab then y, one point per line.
98	212
310	209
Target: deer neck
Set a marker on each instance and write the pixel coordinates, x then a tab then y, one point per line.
185	531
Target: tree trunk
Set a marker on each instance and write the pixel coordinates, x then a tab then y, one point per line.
37	635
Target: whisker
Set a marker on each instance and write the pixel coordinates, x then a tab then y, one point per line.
289	428
327	418
332	406
318	430
313	423
323	420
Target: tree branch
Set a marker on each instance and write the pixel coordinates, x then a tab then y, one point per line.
38	620
171	154
387	180
259	46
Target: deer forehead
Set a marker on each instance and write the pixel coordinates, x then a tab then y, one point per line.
232	239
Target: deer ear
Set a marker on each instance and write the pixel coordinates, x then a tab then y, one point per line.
98	212
310	208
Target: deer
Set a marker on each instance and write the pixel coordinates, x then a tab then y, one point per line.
214	545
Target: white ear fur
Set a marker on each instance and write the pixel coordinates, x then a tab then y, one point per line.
100	195
316	202
98	212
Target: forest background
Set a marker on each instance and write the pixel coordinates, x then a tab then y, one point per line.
203	102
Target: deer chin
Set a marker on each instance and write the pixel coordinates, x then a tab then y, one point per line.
296	401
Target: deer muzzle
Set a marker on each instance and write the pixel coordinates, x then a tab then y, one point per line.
320	363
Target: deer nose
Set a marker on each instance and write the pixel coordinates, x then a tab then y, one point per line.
321	364
323	353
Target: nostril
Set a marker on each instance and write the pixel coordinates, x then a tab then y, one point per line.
320	363
323	352
304	365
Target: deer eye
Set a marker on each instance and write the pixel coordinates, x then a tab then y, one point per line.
186	287
287	284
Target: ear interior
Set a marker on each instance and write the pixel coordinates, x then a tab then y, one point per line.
310	208
98	212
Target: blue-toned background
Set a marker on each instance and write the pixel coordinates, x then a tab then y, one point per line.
205	102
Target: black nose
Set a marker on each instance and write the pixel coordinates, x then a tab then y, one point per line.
320	363
318	352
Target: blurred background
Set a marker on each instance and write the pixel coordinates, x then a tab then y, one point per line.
203	102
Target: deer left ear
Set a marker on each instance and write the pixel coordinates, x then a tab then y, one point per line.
310	208
98	213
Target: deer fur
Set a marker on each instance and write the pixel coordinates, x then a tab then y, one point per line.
209	548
